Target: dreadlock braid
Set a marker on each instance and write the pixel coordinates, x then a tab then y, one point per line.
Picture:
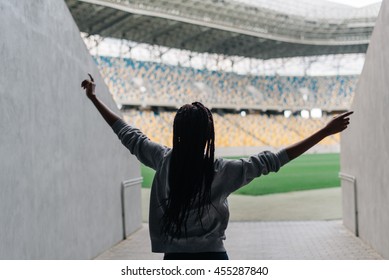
191	168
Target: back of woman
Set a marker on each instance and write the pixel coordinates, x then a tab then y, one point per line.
188	203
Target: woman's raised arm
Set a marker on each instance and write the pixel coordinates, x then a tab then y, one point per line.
336	125
109	116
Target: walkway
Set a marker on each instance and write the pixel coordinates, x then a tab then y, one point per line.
300	225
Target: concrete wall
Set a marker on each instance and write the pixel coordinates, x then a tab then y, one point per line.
61	166
365	150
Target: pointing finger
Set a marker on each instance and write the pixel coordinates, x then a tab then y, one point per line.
346	114
91	78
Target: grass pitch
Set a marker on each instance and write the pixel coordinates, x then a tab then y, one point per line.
310	171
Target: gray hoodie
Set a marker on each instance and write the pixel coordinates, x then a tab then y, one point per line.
229	176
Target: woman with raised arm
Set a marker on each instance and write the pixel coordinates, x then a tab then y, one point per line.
188	202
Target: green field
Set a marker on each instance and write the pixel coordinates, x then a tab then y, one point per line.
311	171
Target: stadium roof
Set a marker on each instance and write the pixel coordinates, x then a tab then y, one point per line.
258	29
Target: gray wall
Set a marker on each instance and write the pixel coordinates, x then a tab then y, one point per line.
61	167
365	146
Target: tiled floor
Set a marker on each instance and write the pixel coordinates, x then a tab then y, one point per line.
281	240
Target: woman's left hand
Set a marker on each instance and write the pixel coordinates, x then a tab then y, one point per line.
89	87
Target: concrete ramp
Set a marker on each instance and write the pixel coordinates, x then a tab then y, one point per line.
365	146
61	166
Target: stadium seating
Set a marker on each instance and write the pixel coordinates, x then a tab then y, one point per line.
150	83
154	83
233	130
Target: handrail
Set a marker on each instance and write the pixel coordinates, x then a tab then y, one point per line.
124	185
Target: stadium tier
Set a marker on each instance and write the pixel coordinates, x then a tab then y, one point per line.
233	130
144	84
153	84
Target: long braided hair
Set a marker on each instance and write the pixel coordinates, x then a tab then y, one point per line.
191	168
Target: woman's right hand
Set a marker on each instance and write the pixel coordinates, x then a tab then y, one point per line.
89	87
338	124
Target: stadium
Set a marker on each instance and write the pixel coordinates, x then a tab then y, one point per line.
252	112
272	73
149	92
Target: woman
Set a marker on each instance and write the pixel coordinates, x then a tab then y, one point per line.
188	203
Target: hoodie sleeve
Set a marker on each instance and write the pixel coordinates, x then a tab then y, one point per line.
235	174
147	152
